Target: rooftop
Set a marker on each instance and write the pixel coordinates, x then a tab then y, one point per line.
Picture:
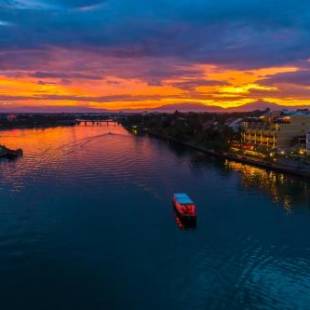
183	198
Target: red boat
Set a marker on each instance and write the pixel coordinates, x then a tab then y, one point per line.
184	206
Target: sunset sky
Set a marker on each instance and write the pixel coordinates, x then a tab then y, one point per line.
130	54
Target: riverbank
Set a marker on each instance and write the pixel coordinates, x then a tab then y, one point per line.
39	125
275	166
214	135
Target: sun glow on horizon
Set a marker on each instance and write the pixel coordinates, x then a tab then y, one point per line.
213	86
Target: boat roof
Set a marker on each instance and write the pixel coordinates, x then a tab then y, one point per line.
183	198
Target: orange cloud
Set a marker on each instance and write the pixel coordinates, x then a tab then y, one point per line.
216	85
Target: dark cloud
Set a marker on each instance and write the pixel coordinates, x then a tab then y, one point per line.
232	33
191	85
64	76
46	83
301	77
77	3
23	59
97	99
48	4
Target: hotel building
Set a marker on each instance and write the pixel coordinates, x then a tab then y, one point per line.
275	131
308	142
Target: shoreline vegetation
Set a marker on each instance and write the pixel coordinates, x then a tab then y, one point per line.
36	120
207	133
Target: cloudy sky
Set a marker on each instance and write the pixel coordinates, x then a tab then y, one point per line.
119	54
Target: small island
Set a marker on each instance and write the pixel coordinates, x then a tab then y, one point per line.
10	154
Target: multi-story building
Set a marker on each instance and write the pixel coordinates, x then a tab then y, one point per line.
275	132
308	142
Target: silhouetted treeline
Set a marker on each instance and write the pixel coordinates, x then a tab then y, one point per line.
33	120
208	130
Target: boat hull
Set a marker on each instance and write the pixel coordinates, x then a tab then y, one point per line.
185	223
183	214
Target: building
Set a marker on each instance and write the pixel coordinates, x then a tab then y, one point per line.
308	142
234	124
275	131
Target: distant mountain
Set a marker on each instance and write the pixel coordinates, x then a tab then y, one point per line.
171	108
197	107
261	105
188	107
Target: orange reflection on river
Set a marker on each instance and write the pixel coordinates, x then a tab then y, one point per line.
277	185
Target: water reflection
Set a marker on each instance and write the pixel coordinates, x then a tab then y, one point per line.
53	149
183	223
94	201
56	149
286	190
283	189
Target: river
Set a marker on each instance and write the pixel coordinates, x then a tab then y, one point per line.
86	222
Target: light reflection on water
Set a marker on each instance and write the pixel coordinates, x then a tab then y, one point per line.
86	223
283	189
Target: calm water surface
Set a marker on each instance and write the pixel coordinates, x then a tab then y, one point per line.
86	223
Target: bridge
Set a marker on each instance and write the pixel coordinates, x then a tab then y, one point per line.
96	122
